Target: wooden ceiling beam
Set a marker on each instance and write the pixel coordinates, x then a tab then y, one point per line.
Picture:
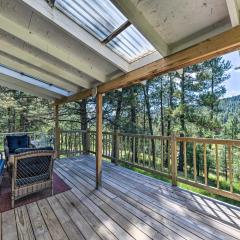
210	48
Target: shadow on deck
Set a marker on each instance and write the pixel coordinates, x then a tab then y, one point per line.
128	206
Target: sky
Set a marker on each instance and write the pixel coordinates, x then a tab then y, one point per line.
233	84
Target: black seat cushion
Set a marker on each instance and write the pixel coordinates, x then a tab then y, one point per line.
15	142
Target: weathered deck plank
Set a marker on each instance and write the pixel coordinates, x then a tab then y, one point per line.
39	227
51	221
128	206
23	224
68	225
9	229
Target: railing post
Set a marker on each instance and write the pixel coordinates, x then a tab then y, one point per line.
174	160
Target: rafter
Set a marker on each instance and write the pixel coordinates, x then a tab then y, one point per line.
31	70
33	83
20	51
15	84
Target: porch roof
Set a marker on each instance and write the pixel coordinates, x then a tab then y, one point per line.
64	52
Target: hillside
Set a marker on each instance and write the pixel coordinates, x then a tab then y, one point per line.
230	104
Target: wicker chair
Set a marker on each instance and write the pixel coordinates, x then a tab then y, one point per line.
32	171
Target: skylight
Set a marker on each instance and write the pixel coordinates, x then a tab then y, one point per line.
102	19
28	79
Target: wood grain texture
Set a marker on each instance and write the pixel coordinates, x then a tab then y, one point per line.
24	227
9	229
51	221
68	225
39	227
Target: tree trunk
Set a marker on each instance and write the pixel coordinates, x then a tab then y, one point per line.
212	95
22	122
9	119
134	121
116	125
169	121
161	110
84	123
146	97
182	121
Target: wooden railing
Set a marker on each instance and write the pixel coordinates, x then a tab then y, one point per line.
210	164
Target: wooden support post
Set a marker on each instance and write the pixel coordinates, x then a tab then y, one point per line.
99	142
174	160
57	131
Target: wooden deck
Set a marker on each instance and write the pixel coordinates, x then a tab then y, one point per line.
129	206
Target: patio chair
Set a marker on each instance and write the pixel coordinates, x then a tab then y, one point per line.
14	142
32	171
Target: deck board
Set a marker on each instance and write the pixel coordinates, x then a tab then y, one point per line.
24	227
128	206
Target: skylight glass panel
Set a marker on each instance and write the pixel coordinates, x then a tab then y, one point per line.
131	45
101	18
98	17
28	79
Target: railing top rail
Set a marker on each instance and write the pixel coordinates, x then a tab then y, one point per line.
146	136
73	131
208	140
